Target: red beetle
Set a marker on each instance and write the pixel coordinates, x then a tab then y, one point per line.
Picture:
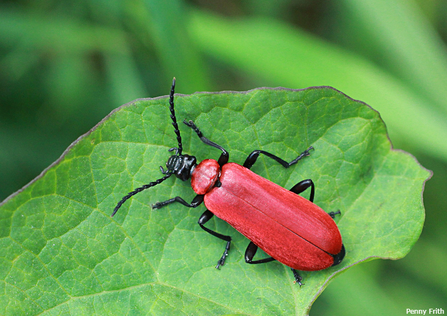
289	228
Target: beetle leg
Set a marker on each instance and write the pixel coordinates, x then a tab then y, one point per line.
251	159
250	253
332	214
298	278
223	159
304	185
206	216
194	203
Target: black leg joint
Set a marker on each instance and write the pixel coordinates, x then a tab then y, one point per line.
194	203
332	214
304	185
224	157
221	261
297	277
250	253
251	159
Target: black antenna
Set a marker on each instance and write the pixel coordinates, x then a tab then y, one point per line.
174	119
167	173
138	190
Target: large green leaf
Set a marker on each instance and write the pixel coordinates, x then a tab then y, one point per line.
63	253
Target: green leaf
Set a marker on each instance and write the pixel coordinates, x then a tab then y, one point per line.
63	253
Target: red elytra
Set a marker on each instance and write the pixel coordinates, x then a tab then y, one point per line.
291	229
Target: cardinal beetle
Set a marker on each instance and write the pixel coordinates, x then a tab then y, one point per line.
289	228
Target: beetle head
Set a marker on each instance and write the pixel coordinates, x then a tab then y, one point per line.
181	166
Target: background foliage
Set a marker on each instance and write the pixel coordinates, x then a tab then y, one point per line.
65	65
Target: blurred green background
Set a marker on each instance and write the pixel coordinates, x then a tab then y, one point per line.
64	65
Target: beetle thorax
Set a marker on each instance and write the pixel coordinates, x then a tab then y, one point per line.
205	175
